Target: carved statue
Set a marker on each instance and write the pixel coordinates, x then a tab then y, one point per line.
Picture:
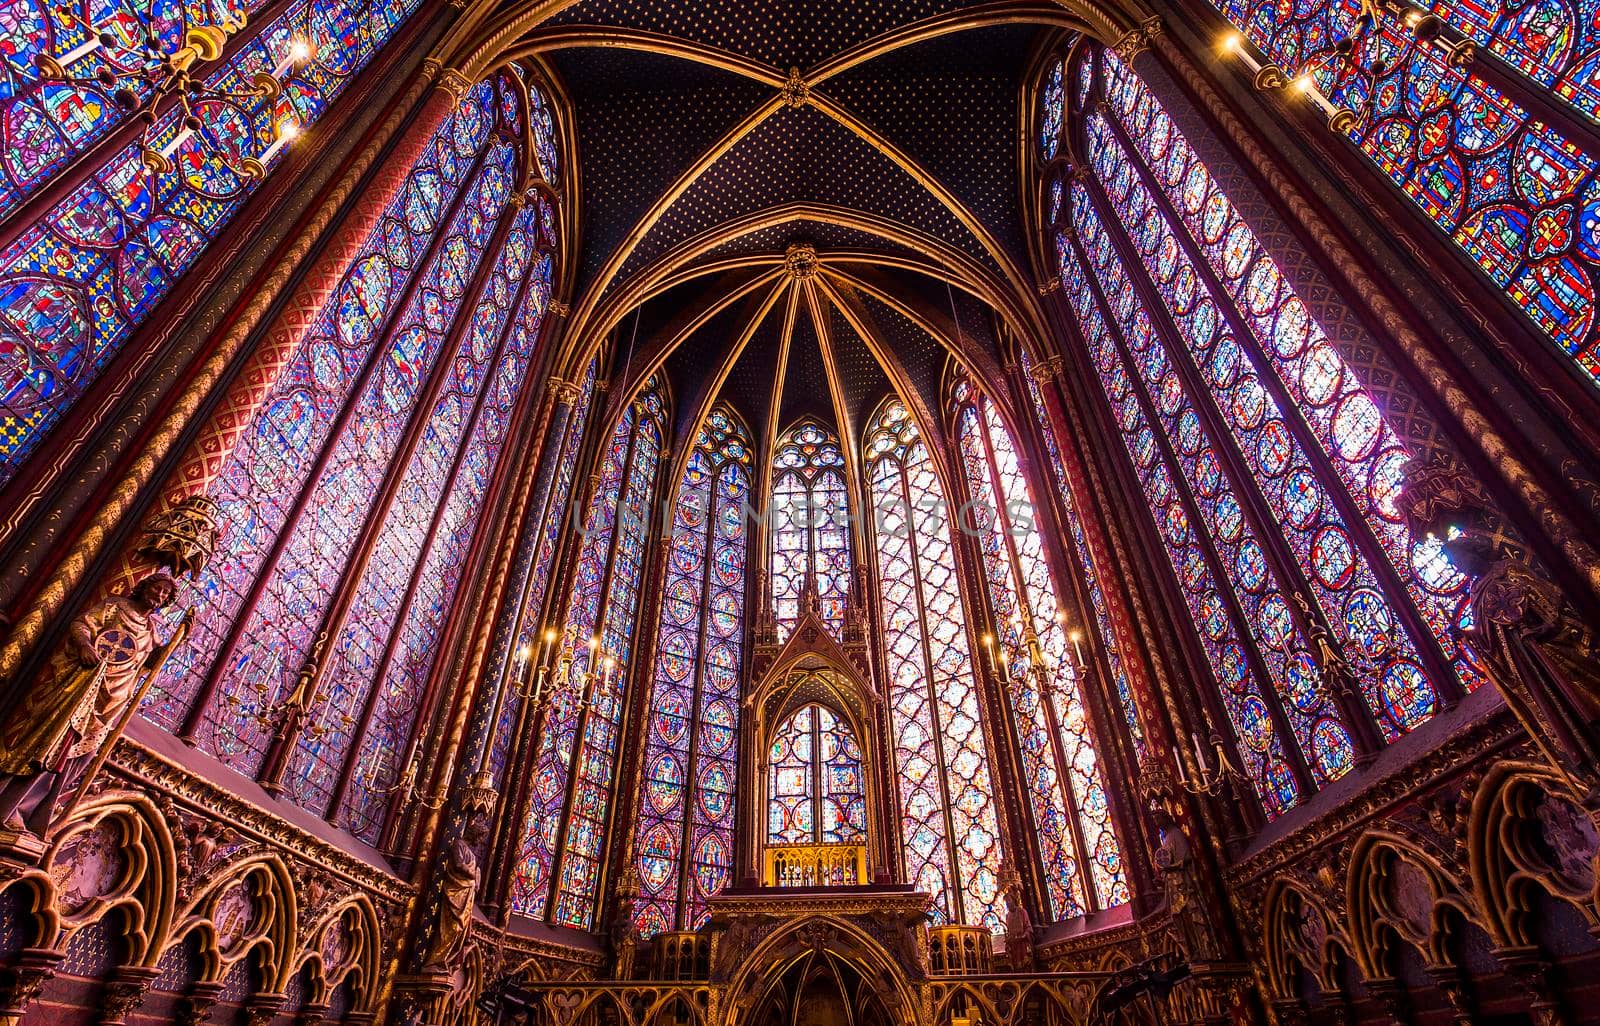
1019	925
60	724
1180	880
458	891
1527	634
1543	657
624	928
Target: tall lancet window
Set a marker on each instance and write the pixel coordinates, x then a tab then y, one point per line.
95	238
948	826
1067	503
810	519
1516	189
685	832
546	525
1271	469
815	790
349	506
1031	652
575	769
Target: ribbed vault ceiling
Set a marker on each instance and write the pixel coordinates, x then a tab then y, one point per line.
713	139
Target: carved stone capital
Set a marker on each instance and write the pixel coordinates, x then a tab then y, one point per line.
563	391
1290	1012
1391	994
196	1006
1448	979
1437	492
452	81
1137	41
261	1009
1046	370
181	539
1531	972
23	979
311	1015
124	992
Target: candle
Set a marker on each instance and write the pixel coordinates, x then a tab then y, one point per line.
1233	43
56	67
298	51
178	140
1199	752
286	132
1308	86
1077	647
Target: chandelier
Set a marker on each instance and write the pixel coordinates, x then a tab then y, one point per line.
125	56
1366	27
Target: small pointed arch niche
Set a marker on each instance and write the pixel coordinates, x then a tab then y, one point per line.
817	776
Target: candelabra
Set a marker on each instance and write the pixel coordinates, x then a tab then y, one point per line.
585	689
144	80
1212	780
1426	29
1037	666
406	786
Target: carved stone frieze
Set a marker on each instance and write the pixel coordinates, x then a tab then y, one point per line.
201	799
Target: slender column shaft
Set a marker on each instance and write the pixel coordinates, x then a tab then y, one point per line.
529	718
556	604
1108	730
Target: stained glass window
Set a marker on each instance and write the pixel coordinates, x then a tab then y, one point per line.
1052	108
1199	385
685	828
949	830
83	272
1357	443
1086	565
351	504
815	792
558	867
528	640
1036	661
1519	196
811	525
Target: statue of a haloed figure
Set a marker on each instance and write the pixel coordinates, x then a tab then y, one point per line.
458	887
59	725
